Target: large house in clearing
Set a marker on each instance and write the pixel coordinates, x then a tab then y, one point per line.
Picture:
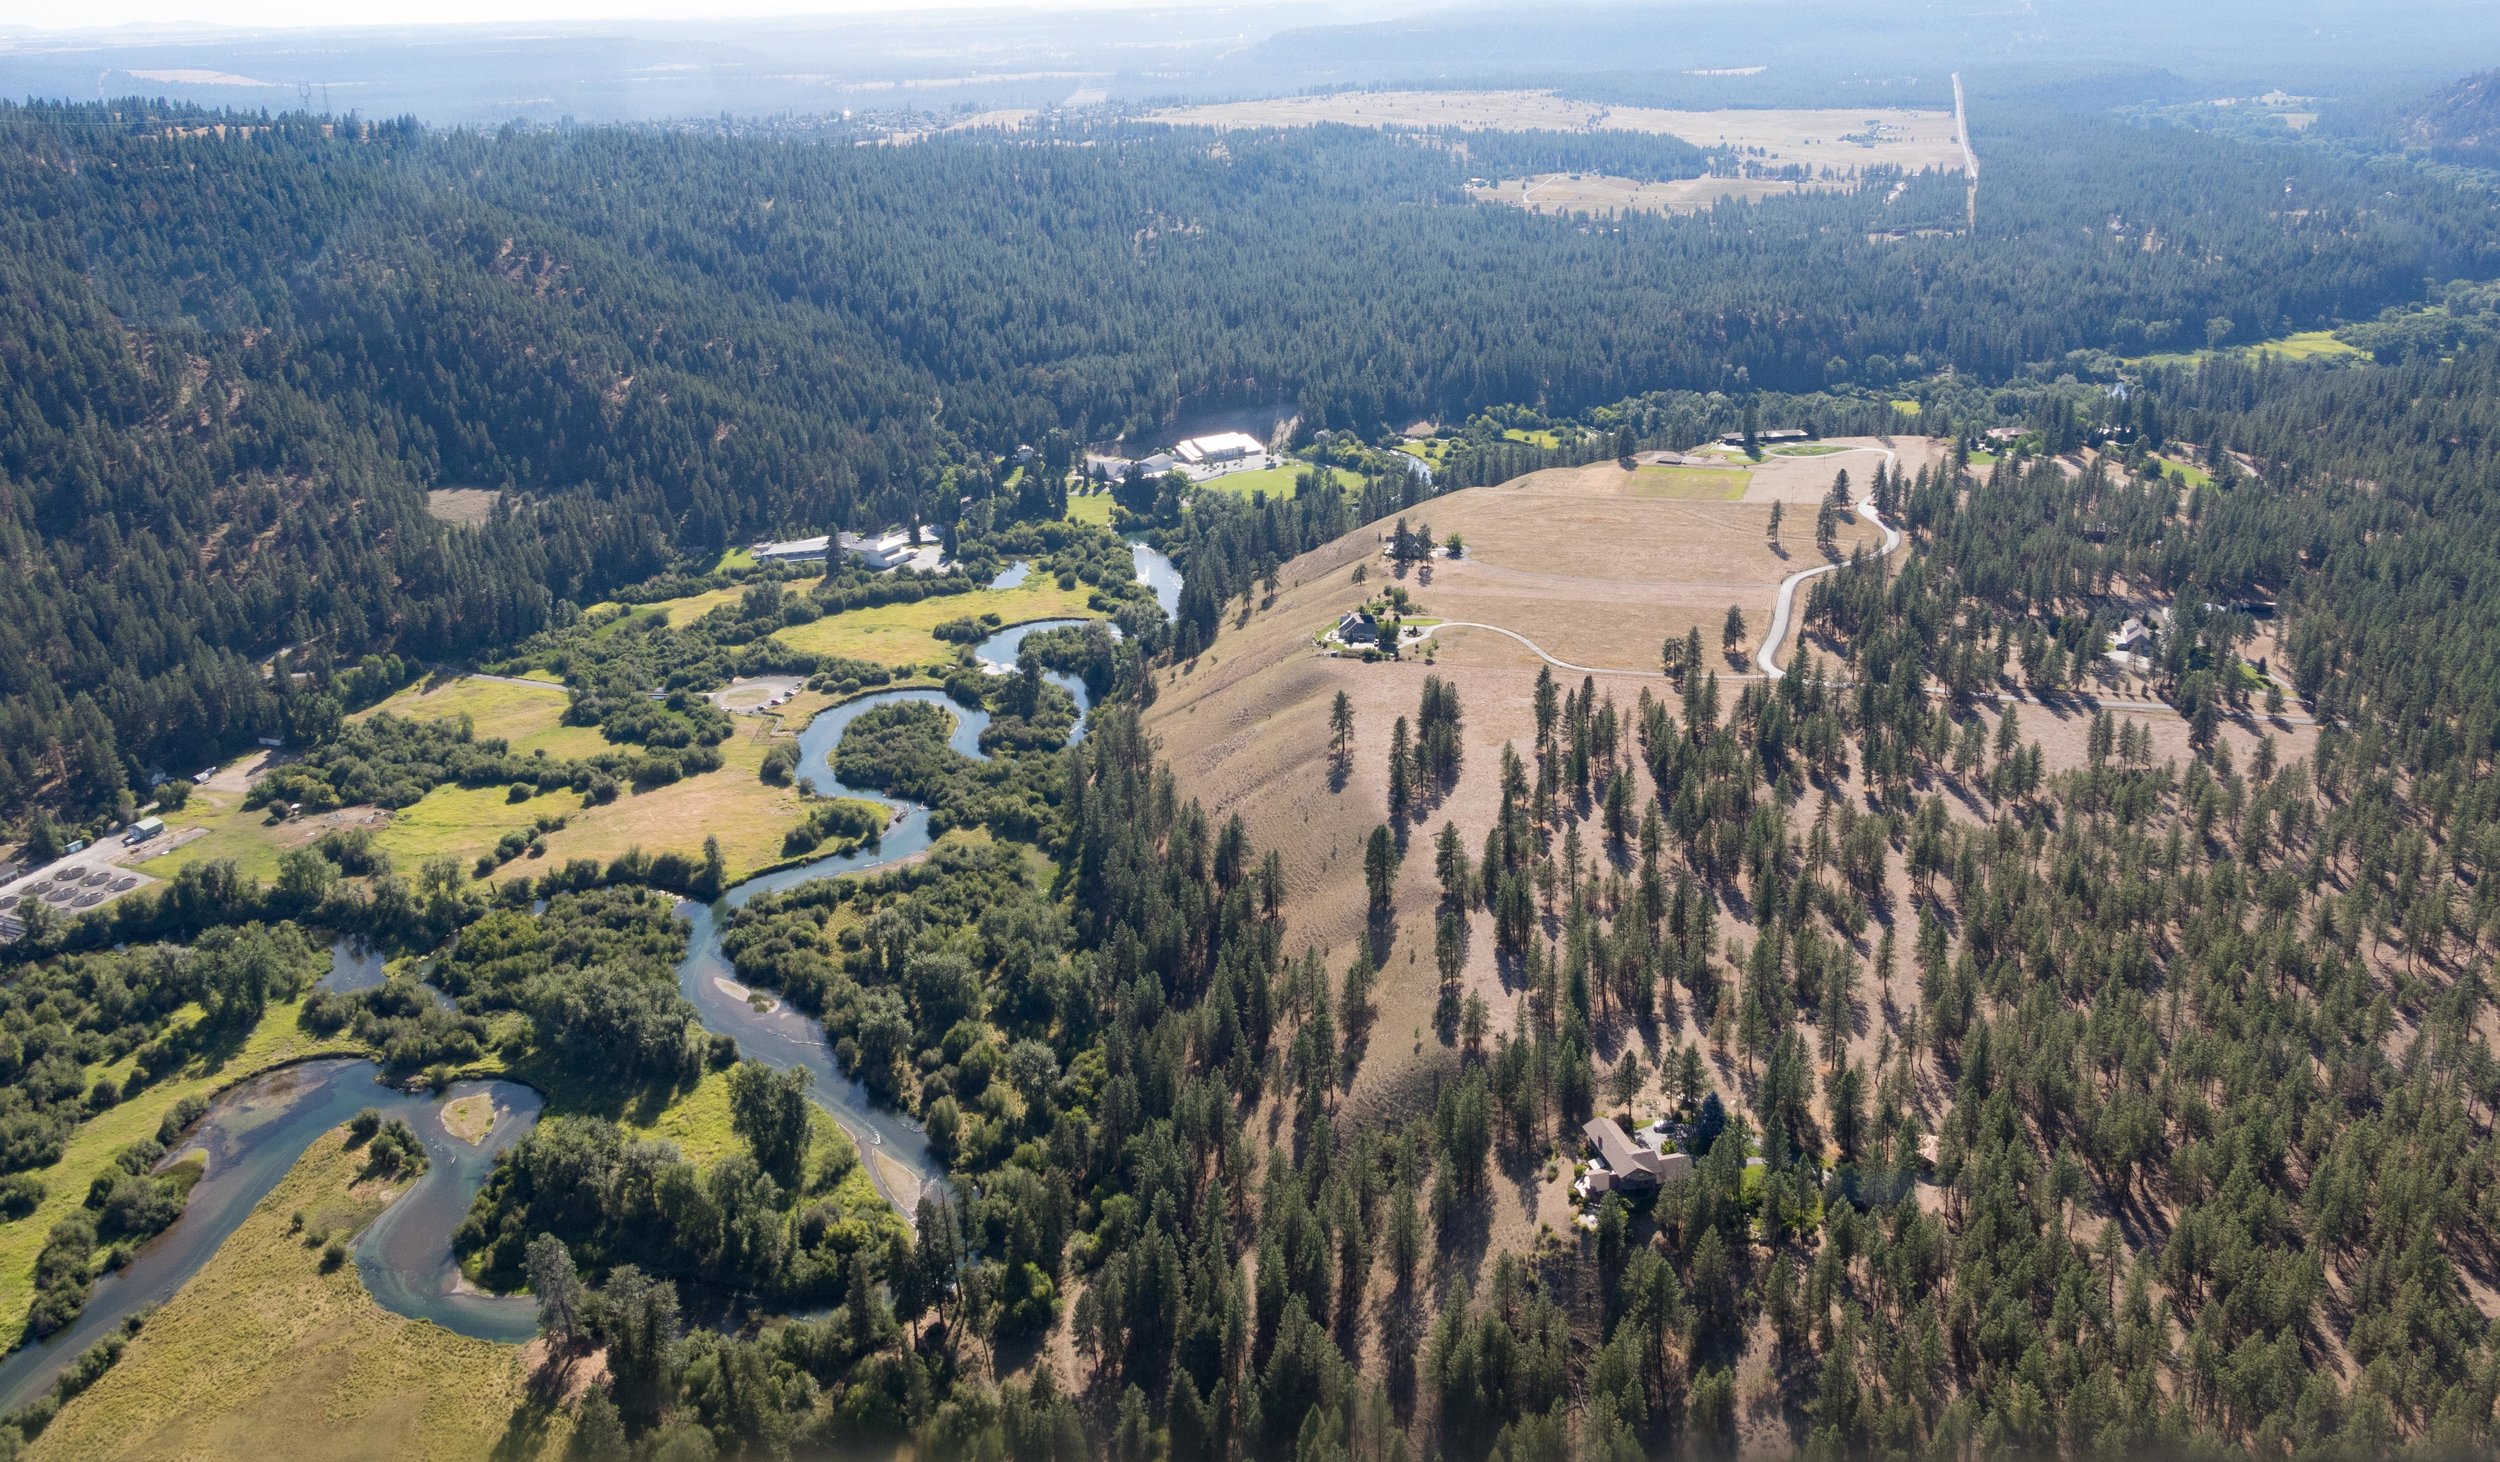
1623	1164
1358	628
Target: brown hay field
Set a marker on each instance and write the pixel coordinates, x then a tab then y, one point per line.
1911	139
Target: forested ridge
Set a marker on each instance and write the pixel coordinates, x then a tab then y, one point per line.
235	359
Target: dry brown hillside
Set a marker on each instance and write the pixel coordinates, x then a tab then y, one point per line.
1583	561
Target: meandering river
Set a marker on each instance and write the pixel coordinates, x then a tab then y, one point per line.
254	1133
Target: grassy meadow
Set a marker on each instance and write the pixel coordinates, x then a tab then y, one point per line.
277	1040
1274	481
901	634
263	1348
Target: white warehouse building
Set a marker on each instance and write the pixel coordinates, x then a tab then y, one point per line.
886	550
1223	446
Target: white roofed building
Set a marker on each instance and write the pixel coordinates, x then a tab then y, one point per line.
885	550
1223	446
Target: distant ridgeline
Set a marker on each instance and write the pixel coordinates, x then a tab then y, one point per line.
236	353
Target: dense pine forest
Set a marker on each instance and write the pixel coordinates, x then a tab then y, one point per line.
2044	1093
241	349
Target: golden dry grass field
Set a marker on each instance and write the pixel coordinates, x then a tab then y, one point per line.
265	1354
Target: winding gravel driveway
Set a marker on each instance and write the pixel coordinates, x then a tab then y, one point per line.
1787	601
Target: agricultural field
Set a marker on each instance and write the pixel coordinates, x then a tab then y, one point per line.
1904	137
1835	140
2186	471
691	607
1602	195
263	1343
215	827
732	804
278	1040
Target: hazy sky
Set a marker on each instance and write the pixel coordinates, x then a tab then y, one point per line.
100	14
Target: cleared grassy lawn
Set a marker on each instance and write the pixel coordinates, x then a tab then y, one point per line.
233	835
1538	438
1698	484
262	1351
1810	449
1092	507
1274	481
899	634
277	1040
2302	345
462	822
687	610
528	717
732	804
2309	345
2194	475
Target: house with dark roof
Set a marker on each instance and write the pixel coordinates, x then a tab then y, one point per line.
1358	628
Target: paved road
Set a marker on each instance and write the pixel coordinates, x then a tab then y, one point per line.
1970	158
